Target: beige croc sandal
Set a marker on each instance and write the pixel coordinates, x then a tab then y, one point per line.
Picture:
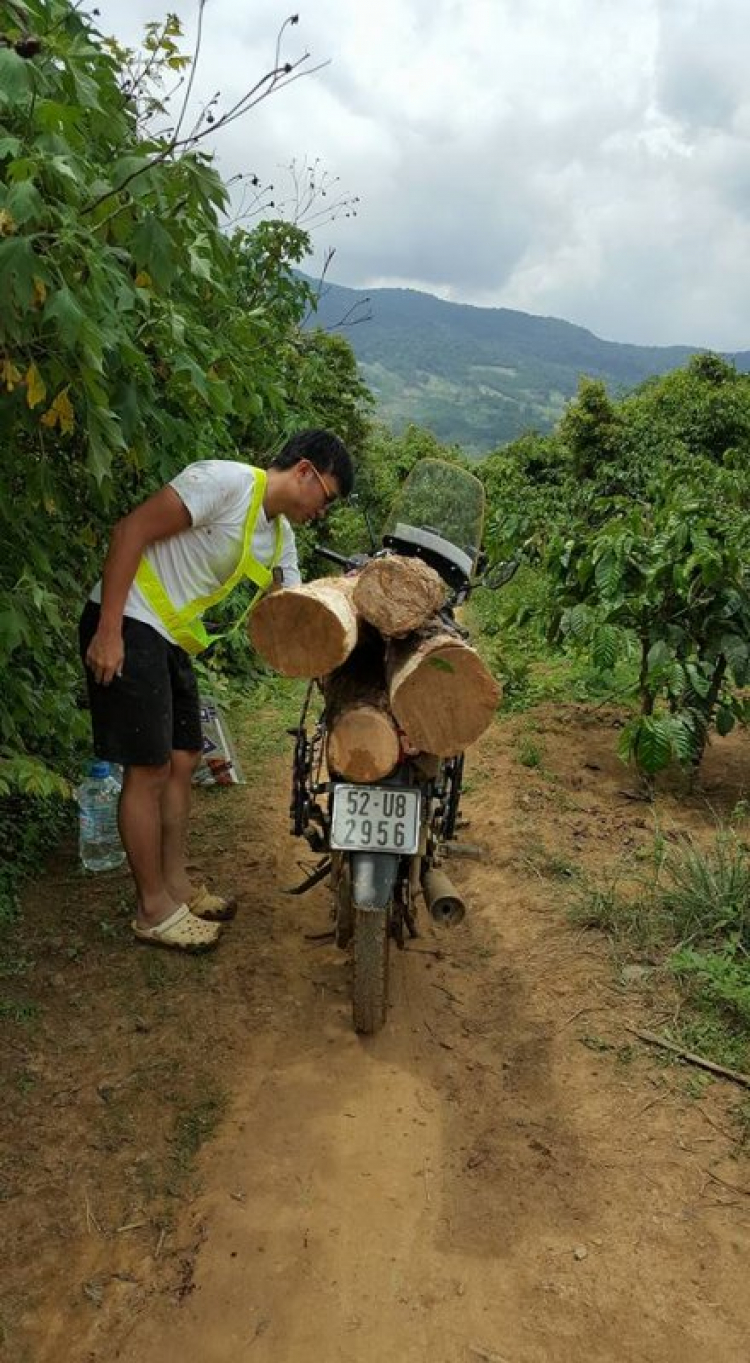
182	931
212	908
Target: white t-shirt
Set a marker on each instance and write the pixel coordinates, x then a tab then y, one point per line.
217	493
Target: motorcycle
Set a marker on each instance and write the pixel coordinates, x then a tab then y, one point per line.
383	843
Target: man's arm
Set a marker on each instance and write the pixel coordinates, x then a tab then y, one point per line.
158	518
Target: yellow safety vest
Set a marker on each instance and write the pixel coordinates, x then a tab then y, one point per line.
184	622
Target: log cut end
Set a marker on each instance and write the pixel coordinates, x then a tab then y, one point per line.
304	631
397	595
444	697
363	744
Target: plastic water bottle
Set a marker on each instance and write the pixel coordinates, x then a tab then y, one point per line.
99	839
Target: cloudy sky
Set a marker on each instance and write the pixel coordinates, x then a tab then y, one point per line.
583	159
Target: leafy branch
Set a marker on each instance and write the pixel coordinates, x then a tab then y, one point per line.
281	75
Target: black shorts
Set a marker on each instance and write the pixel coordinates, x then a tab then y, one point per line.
152	708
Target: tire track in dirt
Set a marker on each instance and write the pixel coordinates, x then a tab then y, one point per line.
474	1183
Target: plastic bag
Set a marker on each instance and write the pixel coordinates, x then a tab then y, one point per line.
218	765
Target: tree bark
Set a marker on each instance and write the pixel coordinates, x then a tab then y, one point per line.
306	631
441	693
398	595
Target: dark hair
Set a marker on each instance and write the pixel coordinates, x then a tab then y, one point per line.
324	450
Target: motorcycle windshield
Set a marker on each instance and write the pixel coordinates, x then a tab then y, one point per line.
441	500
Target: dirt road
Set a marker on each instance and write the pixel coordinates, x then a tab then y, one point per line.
500	1176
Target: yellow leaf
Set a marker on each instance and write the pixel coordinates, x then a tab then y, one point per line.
10	375
7	225
50	506
36	389
67	415
61	412
40	292
143	280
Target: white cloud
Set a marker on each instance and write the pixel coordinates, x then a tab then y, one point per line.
579	158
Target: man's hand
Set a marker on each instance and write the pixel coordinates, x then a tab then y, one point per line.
105	655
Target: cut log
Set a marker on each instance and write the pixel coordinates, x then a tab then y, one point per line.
363	742
441	693
306	631
398	595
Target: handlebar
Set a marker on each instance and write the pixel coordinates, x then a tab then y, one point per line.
331	555
348	562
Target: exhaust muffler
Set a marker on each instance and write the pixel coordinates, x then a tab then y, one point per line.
443	900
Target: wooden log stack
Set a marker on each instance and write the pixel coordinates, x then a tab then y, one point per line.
393	671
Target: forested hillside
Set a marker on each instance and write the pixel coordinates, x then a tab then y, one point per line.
479	376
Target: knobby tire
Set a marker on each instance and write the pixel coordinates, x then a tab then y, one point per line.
370	969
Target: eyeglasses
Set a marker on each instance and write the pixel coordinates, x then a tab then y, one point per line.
329	495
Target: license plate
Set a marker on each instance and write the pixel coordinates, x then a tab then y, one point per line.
375	819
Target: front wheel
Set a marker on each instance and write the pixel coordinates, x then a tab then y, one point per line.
370	969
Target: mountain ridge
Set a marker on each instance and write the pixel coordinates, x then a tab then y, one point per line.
480	376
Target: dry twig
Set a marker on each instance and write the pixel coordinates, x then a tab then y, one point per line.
734	1075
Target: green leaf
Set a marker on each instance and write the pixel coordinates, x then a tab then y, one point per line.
653	743
105	438
441	665
137	170
16	77
153	250
185	364
24	202
54	116
61	307
12	632
199	266
605	647
700	681
608	574
64	166
737	655
9	146
87	89
577	621
683	736
18	267
674	678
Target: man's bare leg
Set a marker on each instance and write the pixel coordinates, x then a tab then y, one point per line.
140	822
175	812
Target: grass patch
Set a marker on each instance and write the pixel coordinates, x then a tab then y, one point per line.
20	1011
688	913
263	718
194	1124
530	753
548	865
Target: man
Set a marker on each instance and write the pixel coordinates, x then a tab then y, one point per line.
176	555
